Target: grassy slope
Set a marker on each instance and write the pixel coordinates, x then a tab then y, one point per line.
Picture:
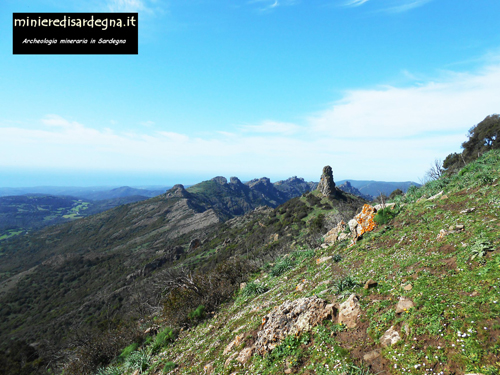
454	327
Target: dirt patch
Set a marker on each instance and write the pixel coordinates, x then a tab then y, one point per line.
447	249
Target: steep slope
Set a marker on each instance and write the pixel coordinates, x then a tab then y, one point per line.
417	293
80	272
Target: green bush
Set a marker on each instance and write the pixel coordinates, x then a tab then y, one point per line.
282	266
252	289
345	285
197	314
127	351
384	215
162	339
138	360
169	366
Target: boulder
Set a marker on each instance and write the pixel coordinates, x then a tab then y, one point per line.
404	304
291	318
323	259
326	184
390	337
245	355
332	235
349	311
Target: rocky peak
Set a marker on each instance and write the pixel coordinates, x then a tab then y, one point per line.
234	180
326	184
177	191
220	180
259	181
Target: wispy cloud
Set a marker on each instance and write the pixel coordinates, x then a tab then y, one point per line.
355	3
390	6
381	133
267	5
406	6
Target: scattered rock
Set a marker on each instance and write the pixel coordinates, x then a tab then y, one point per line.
245	355
408	287
370	284
370	356
468	210
323	260
404	304
291	318
242	286
349	311
444	197
334	233
288	371
390	337
208	368
326	184
343	236
274	237
231	357
237	340
442	234
435	196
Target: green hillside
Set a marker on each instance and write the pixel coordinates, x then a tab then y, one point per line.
435	258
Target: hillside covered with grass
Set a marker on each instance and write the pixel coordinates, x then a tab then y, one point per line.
425	282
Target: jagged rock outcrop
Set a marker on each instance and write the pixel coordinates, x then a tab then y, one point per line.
177	191
326	184
295	186
291	318
154	265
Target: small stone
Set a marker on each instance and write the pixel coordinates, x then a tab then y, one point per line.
299	288
390	337
323	260
468	210
370	356
288	371
237	340
404	304
370	284
208	368
408	287
242	286
459	227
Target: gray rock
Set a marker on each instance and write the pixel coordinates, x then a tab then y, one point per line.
404	304
326	184
390	337
349	311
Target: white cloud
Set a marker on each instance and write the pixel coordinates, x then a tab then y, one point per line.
355	3
386	133
391	6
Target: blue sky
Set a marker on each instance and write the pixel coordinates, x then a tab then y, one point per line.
375	88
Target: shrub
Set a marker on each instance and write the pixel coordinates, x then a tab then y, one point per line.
139	360
169	366
344	286
198	313
163	338
282	266
252	289
337	258
127	351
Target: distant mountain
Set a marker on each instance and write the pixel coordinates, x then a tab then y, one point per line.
374	188
295	186
348	188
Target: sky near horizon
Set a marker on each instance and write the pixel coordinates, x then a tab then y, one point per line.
377	89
